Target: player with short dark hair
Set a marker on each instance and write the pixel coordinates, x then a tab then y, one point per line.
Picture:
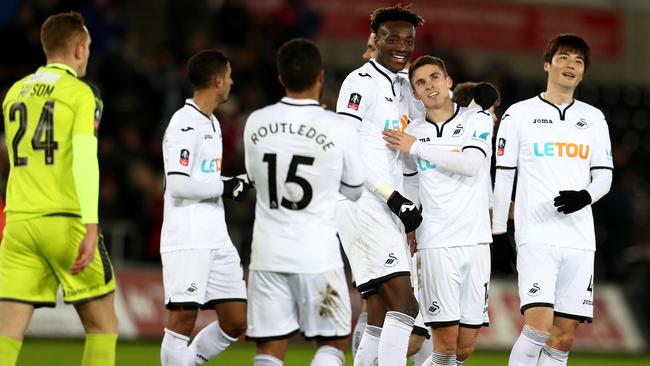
52	234
299	156
451	149
373	238
201	266
561	150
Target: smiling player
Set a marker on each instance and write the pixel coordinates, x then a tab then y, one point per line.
562	151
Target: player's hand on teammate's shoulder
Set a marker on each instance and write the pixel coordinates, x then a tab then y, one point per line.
406	210
236	188
571	201
397	140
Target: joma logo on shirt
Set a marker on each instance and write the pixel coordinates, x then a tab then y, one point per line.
211	165
542	120
561	150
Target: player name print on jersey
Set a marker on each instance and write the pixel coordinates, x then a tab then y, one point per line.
289	128
561	149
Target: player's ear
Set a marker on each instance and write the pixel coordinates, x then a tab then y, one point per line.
450	82
321	76
281	81
78	50
217	81
547	66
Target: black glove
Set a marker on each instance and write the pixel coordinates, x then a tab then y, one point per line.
571	201
485	95
235	188
503	256
406	210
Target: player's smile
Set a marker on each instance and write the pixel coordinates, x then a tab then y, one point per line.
395	44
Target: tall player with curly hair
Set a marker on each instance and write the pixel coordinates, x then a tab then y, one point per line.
373	230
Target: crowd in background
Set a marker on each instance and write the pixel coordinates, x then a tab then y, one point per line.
142	84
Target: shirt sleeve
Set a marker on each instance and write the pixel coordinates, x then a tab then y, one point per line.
601	164
355	97
180	186
180	146
602	153
482	128
507	149
507	154
353	175
85	166
411	181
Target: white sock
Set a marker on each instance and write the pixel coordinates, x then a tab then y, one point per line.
328	356
394	340
368	346
210	341
552	357
459	363
359	328
174	350
420	357
525	351
267	360
441	359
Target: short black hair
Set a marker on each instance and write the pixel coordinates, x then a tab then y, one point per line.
567	42
394	14
299	64
204	65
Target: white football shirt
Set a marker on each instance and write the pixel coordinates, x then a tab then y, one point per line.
553	149
455	208
192	147
379	100
298	155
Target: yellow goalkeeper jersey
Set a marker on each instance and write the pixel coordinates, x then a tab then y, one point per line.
43	113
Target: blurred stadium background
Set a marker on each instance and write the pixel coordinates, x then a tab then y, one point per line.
138	56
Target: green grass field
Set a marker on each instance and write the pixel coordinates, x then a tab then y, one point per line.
37	352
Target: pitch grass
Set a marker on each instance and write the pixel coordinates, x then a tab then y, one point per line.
37	352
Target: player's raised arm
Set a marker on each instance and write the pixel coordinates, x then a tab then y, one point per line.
466	163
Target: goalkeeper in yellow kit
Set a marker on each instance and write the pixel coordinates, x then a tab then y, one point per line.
51	237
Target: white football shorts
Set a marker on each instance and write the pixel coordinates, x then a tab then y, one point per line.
556	277
202	277
281	303
455	285
374	242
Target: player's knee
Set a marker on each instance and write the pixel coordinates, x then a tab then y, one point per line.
562	342
464	352
413	309
446	345
182	323
234	327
